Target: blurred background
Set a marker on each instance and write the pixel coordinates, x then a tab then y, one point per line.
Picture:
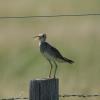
78	38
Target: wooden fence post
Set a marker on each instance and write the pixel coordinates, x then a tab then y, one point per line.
44	89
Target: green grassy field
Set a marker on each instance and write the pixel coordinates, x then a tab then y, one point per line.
78	38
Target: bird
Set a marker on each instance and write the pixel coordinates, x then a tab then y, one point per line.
51	53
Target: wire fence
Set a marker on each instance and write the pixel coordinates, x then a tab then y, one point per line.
15	98
61	96
49	16
80	95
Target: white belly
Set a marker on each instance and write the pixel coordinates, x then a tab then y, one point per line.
48	56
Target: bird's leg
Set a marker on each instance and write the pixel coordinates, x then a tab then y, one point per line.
50	68
55	69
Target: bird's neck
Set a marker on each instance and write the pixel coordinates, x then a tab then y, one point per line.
40	42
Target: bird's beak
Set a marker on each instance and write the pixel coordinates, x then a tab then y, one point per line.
35	37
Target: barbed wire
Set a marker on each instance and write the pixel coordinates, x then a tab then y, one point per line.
80	95
17	98
49	16
62	96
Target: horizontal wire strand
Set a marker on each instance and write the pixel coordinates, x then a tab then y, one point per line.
62	96
49	16
79	95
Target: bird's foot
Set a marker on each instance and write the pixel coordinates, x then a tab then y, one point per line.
54	77
49	76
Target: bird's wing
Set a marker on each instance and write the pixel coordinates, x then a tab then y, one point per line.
53	51
57	55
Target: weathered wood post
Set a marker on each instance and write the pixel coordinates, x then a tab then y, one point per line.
44	89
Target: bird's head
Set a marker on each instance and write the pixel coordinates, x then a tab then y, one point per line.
41	37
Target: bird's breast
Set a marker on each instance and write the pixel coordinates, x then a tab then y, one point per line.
45	50
43	47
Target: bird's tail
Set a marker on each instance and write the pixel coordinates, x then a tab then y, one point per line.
68	60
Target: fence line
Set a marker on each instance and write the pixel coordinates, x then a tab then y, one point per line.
49	16
17	98
80	95
61	96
